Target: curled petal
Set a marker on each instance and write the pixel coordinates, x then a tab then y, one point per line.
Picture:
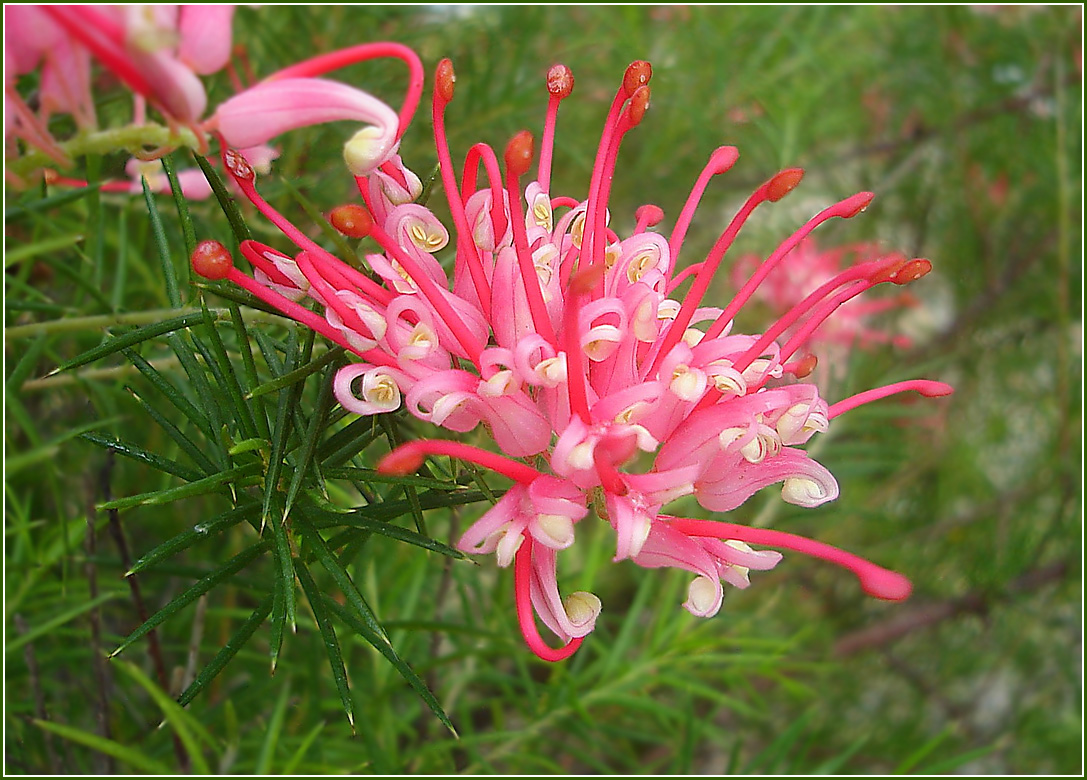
270	108
380	391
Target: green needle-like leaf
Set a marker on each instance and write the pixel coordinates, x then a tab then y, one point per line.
332	644
129	339
187	229
236	642
205	530
199	488
223	573
169	274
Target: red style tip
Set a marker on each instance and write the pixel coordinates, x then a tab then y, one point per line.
912	271
519	153
238	166
639	104
351	219
401	462
560	81
638	74
444	81
649	214
806	366
932	389
724	157
211	260
885	584
855	205
783	183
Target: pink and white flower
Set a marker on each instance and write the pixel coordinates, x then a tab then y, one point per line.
572	346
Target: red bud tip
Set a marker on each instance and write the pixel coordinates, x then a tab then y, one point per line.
560	81
586	279
783	183
238	166
723	158
638	74
401	462
649	214
351	219
806	366
857	204
211	260
519	153
912	271
444	81
639	104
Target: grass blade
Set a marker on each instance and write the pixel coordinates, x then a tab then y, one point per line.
184	725
109	747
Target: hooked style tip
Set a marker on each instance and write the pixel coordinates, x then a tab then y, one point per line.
519	153
444	81
783	183
639	104
638	74
238	166
401	462
212	260
352	220
560	81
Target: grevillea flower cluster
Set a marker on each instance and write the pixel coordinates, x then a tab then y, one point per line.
608	384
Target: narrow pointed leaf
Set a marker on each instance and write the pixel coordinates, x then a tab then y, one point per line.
236	642
225	572
199	532
352	621
332	644
198	488
129	339
169	273
187	229
226	200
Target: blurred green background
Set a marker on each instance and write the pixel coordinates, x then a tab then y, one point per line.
967	124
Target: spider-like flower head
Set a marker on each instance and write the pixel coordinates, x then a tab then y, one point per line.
572	345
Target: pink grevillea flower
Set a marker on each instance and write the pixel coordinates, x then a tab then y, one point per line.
572	345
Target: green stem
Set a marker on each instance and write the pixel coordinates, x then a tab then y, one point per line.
131	138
